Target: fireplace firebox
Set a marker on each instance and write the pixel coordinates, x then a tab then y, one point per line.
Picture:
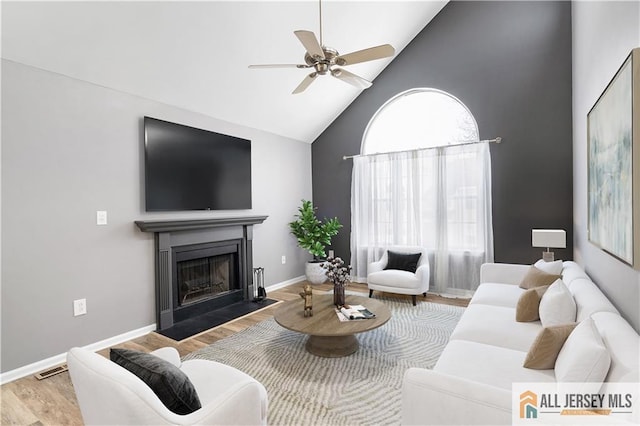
205	277
201	265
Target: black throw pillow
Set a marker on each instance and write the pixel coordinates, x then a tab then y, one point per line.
403	261
167	381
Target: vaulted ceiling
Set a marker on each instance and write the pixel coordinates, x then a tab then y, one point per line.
194	55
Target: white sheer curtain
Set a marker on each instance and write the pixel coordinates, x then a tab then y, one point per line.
439	198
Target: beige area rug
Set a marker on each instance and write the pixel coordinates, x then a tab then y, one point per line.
361	389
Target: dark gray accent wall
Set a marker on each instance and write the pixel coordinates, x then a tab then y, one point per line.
510	64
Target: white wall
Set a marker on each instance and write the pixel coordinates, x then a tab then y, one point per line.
604	33
70	148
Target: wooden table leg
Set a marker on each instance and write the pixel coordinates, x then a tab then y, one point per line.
332	346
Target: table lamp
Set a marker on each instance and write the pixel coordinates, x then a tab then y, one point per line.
549	238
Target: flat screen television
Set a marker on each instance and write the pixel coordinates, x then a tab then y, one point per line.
194	169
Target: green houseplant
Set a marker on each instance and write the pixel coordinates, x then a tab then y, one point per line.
314	236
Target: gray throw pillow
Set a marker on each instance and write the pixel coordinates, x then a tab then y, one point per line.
402	261
167	381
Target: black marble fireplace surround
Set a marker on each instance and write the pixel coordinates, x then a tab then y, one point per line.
220	236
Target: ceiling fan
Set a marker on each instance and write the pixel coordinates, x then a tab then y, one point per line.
326	60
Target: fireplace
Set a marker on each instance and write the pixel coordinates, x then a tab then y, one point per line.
205	277
201	265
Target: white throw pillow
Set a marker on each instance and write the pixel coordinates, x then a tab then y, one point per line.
583	357
557	306
554	267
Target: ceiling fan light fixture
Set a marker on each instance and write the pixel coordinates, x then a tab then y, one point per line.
322	68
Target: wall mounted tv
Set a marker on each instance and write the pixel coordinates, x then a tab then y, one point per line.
194	169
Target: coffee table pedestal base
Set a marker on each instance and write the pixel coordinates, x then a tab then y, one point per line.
332	346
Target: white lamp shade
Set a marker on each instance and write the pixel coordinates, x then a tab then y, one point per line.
554	238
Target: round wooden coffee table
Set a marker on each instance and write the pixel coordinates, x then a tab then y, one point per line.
328	336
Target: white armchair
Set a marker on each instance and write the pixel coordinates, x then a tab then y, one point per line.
109	394
399	281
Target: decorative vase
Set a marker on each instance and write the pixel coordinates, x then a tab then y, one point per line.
315	273
338	295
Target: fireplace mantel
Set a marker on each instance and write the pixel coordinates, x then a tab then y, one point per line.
173	225
172	234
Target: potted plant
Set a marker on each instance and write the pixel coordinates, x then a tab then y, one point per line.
313	235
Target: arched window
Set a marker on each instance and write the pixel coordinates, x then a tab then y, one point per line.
424	179
419	118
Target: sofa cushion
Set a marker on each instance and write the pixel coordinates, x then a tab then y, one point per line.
623	344
545	349
557	305
495	325
402	261
589	299
584	356
505	295
528	305
488	364
394	278
537	278
571	271
171	385
554	268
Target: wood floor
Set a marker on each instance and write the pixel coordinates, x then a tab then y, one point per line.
52	401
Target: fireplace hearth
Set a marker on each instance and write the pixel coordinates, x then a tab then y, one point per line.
201	265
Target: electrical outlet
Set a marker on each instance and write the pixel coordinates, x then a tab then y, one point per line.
284	259
79	307
101	217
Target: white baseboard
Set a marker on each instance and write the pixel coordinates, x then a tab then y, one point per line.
35	367
284	284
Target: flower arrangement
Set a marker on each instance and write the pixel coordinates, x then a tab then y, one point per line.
338	274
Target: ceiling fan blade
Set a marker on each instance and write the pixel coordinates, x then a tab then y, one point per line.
364	55
280	66
310	42
351	78
305	83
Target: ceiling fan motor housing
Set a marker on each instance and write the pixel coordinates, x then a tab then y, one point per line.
322	65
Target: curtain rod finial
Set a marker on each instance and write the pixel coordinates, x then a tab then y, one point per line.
498	139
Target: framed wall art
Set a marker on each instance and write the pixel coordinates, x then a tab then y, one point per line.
614	165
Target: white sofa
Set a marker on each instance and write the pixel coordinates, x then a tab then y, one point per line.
472	380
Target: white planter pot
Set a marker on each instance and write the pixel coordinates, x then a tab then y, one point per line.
315	273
